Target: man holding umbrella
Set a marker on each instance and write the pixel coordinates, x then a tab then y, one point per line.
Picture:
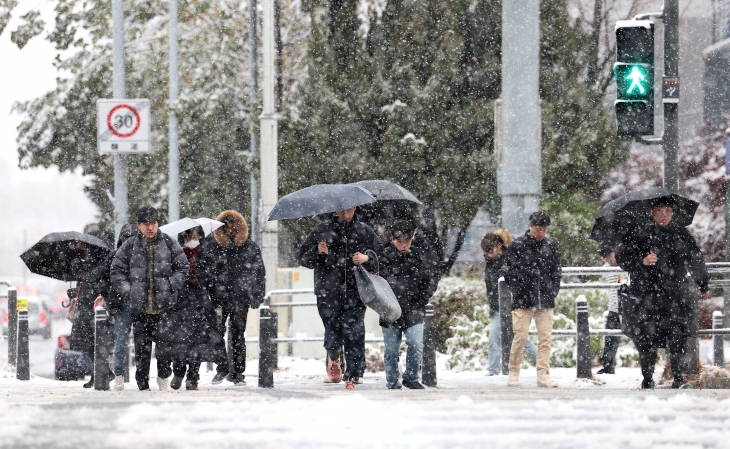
333	249
658	256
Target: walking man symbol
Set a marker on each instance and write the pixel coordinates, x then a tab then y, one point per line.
636	77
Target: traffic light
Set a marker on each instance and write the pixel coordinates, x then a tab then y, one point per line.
634	73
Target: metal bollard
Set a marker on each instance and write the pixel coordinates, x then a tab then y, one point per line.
12	326
428	366
505	321
102	340
718	342
22	371
267	349
275	328
583	334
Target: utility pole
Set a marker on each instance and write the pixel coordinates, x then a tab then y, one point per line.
269	152
254	172
174	161
671	105
519	174
121	207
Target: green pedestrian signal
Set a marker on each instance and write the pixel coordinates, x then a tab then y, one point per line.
634	75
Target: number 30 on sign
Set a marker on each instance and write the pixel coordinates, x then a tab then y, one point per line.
123	126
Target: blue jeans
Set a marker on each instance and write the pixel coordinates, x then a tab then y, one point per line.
495	345
414	355
122	327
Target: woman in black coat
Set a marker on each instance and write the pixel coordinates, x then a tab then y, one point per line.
656	314
193	323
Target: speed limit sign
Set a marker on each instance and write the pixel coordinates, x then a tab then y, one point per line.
123	126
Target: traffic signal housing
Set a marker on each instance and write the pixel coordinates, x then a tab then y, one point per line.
634	73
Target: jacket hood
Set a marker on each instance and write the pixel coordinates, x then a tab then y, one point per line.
128	230
241	226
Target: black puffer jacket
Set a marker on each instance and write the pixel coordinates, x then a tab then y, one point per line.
333	274
663	302
413	278
532	271
128	272
232	271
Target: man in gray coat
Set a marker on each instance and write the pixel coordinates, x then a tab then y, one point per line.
148	272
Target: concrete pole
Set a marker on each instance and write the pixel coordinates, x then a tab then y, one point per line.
174	169
121	205
269	153
255	184
519	174
671	110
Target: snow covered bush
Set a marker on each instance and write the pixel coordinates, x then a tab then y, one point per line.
455	297
468	348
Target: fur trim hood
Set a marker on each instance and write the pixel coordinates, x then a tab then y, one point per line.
241	225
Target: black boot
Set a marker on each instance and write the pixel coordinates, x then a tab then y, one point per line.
647	384
678	382
90	383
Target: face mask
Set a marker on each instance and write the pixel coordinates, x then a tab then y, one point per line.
192	244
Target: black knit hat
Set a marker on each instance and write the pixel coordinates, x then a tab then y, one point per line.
664	201
147	214
540	218
605	248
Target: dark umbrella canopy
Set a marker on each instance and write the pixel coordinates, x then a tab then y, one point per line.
53	254
388	191
621	215
320	199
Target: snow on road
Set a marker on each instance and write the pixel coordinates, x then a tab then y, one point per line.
467	410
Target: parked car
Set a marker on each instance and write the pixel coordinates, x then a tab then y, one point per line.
70	365
38	317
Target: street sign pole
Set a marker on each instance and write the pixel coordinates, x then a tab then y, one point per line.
121	211
671	105
174	168
254	172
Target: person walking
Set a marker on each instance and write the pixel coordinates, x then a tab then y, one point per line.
409	270
532	271
656	314
89	271
613	319
119	310
493	245
232	271
196	337
148	272
333	249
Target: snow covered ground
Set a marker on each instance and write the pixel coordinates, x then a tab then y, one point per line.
468	409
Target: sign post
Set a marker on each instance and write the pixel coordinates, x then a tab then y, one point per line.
123	126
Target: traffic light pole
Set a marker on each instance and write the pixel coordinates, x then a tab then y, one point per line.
671	105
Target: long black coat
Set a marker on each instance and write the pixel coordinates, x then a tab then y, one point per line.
89	273
532	271
413	278
492	273
333	272
233	271
192	327
128	272
658	303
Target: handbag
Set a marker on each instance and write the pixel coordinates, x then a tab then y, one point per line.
375	292
73	310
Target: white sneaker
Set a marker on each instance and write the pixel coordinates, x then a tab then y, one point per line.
543	380
119	383
514	380
163	383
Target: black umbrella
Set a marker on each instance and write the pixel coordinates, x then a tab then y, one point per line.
388	191
621	215
320	199
53	254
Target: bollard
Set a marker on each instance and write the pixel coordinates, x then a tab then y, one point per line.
22	371
12	326
102	340
583	340
267	349
275	328
428	366
505	321
718	342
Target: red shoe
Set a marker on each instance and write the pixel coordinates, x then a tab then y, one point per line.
350	384
334	370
